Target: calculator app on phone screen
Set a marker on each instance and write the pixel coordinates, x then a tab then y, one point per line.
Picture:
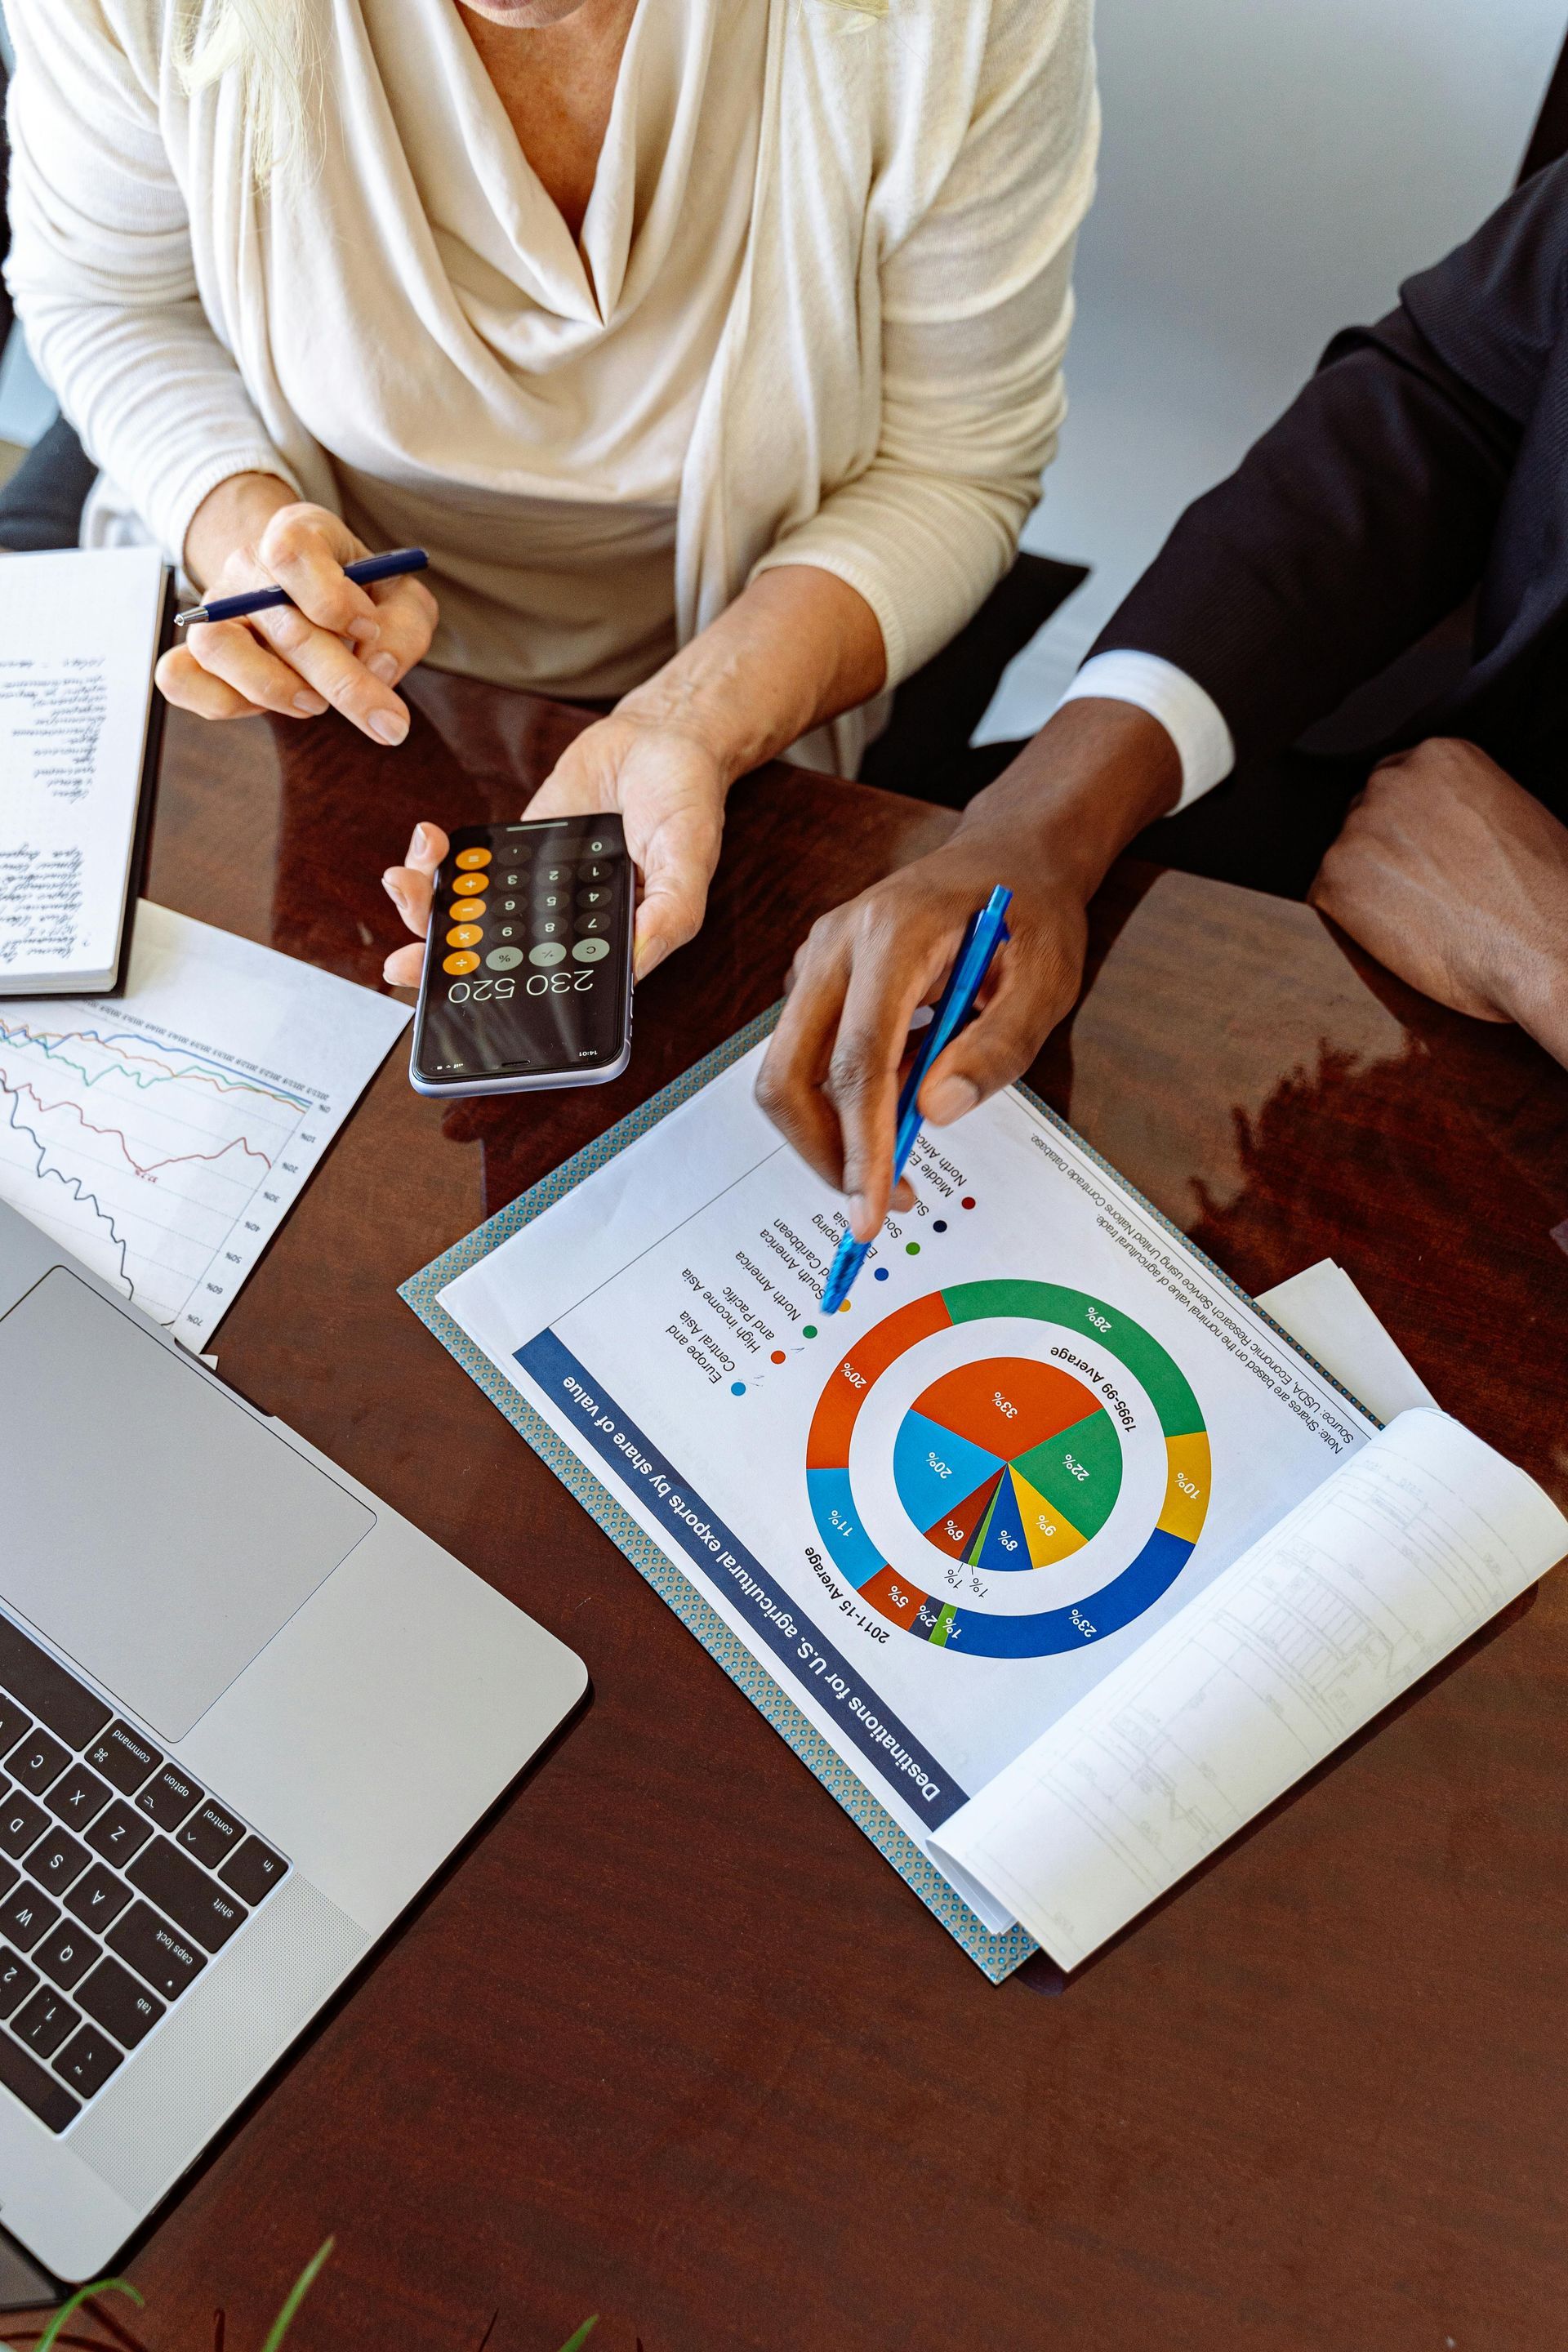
527	977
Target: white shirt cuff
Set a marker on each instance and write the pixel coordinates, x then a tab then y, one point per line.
1192	718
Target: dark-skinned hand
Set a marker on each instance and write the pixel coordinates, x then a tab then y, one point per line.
1455	877
1046	830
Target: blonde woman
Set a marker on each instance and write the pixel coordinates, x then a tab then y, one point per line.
712	346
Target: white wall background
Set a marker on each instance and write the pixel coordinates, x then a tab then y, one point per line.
1272	170
26	407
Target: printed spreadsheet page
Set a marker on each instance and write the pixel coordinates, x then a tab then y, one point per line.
941	1516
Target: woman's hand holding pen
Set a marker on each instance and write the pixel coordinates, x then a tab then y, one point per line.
337	646
1047	830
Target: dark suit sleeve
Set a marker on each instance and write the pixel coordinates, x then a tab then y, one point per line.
6	313
1364	515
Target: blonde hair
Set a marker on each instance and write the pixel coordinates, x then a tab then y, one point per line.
273	48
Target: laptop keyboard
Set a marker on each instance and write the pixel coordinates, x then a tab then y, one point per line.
121	1880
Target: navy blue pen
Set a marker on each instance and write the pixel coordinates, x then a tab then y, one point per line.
984	934
263	600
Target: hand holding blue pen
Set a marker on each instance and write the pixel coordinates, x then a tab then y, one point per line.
370	568
987	931
298	616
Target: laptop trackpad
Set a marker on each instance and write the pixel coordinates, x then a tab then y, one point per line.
150	1527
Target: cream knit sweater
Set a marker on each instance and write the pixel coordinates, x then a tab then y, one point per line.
884	385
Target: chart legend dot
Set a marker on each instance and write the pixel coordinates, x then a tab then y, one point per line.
881	1274
777	1357
808	1332
737	1388
939	1226
968	1201
912	1249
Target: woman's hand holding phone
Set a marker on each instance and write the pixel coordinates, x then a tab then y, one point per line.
668	788
796	646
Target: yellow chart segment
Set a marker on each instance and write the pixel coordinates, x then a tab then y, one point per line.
1048	1535
1186	1486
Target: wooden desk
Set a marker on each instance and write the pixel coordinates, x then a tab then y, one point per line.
669	2042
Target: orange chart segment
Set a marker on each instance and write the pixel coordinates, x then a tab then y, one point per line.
827	1442
1006	1403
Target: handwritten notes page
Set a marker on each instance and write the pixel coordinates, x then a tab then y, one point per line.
1407	1549
79	635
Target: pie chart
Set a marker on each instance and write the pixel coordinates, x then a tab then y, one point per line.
1007	1464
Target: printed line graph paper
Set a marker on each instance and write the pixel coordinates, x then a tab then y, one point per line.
164	1160
155	1155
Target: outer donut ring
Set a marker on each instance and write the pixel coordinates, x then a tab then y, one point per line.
1170	1543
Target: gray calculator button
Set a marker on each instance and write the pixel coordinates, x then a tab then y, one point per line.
594	922
550	952
590	951
592	899
504	959
550	926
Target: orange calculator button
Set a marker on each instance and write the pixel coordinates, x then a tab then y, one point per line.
465	935
469	882
464	910
464	960
468	858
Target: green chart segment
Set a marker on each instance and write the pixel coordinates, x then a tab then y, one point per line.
1035	1450
1008	1464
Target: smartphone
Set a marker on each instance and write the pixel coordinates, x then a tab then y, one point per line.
528	977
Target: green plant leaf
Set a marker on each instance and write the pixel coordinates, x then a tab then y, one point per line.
297	2294
84	2295
581	2336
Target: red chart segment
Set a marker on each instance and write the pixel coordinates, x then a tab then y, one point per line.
1052	1474
1008	1405
956	1531
1035	1449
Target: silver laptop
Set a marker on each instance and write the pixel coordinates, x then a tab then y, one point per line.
245	1712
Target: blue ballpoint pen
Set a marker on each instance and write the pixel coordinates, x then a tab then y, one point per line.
263	600
985	935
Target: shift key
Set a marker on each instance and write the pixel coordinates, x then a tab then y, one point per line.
193	1900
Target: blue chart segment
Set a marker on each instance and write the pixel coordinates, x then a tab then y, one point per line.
934	1468
833	1506
1002	1543
1009	1465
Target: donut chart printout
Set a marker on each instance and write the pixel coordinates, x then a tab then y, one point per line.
942	1515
